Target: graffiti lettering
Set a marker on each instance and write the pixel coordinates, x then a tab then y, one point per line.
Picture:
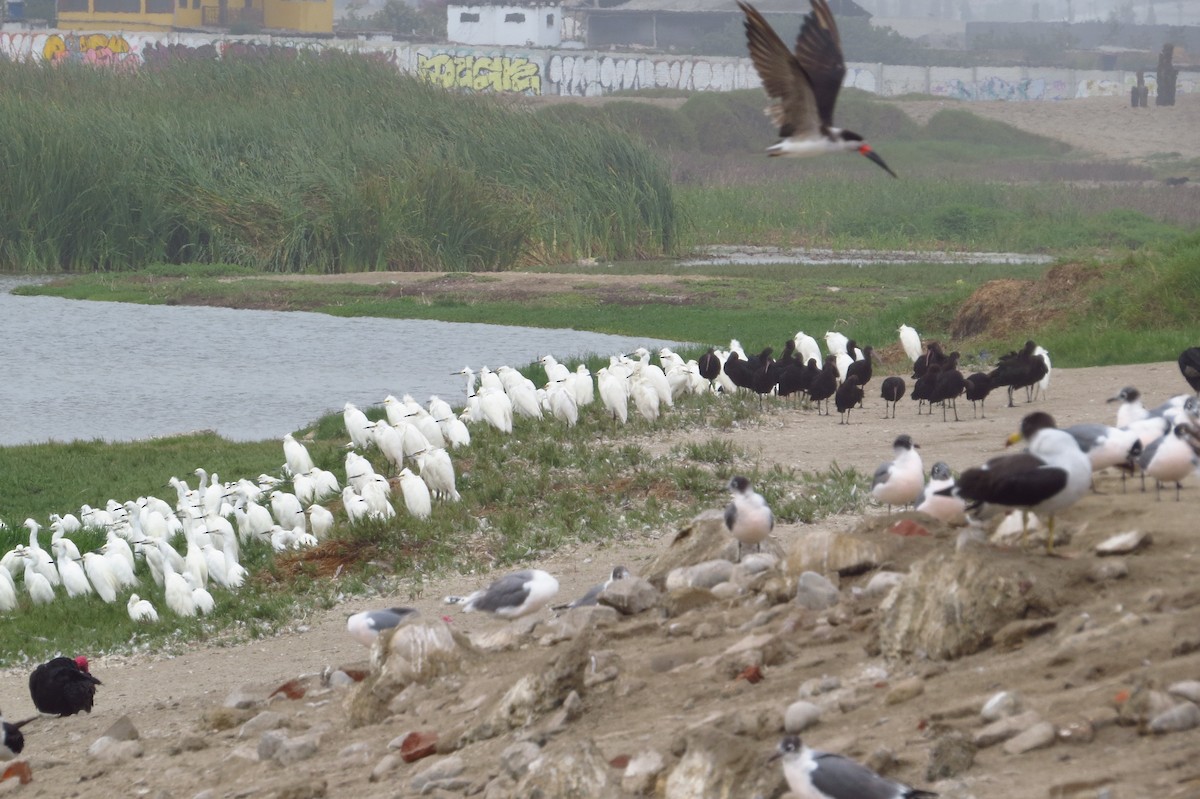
481	73
98	49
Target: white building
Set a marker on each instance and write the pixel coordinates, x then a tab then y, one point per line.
505	25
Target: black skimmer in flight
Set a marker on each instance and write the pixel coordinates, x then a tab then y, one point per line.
821	775
804	85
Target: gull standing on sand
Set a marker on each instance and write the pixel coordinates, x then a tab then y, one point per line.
812	774
748	518
901	480
512	596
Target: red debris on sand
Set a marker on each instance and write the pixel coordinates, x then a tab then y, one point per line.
417	745
620	761
292	689
751	674
907	528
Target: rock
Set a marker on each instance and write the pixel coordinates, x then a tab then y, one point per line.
816	592
717	764
1001	705
267	720
307	788
243	698
704	538
881	584
1077	731
905	690
1014	633
437	771
576	769
535	694
1039	736
1108	569
293	750
642	772
728	590
516	758
950	604
576	622
1123	543
122	730
418	745
758	562
1184	716
1005	728
188	743
701	575
827	552
951	755
385	766
1188	689
411	653
799	716
110	750
685	600
630	596
225	718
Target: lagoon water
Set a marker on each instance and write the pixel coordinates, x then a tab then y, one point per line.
72	369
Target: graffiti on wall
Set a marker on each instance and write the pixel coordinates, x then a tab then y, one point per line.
481	73
589	75
99	49
555	72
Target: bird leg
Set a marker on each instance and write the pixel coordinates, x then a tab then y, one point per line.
954	405
20	770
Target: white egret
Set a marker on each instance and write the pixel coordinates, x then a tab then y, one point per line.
69	523
95	518
286	509
835	342
561	400
178	593
8	592
390	443
320	520
357	425
416	495
376	493
326	483
201	598
359	470
455	432
437	470
645	399
910	340
296	455
497	409
42	563
39	588
140	609
356	507
122	567
70	573
439	409
305	489
100	572
614	393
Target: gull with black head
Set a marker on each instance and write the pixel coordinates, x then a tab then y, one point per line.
812	774
748	518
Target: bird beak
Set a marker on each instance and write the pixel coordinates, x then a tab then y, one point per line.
1113	399
778	753
874	156
1013	439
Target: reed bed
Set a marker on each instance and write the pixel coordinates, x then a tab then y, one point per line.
313	164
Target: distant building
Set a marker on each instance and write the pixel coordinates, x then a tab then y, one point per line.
507	24
300	16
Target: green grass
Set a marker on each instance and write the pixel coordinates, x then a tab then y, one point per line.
224	162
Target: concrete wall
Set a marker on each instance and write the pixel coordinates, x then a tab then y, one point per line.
574	72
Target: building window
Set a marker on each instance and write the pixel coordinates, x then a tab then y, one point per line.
118	6
514	18
549	20
160	7
465	17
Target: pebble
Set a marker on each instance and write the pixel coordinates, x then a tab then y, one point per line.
1188	689
1002	704
1039	736
816	592
267	720
904	690
800	715
1108	569
516	758
1184	716
439	771
1005	728
110	750
881	583
386	765
1123	543
951	755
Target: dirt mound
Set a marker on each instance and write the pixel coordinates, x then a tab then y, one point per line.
1007	308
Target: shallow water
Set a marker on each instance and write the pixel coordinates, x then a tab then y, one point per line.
73	369
809	256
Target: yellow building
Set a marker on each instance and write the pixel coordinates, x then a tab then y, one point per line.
301	16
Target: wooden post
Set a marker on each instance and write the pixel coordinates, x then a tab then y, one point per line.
1168	74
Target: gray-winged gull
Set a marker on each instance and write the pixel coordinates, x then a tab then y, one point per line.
513	595
812	774
366	626
901	480
748	518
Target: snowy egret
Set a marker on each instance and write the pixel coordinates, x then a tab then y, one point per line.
320	520
900	481
177	592
437	470
140	609
286	509
416	494
375	494
910	340
645	398
101	575
355	506
70	573
614	394
8	592
357	425
296	455
37	585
